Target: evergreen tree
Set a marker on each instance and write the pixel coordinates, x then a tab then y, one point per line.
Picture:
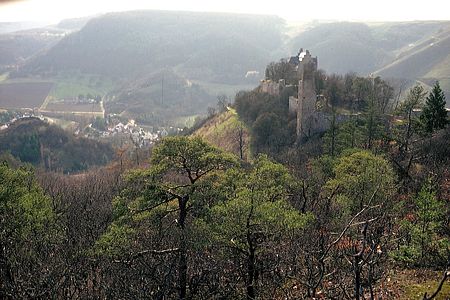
434	115
425	242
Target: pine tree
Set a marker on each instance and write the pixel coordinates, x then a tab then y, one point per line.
434	115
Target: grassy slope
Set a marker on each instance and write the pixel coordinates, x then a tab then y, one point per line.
413	284
222	131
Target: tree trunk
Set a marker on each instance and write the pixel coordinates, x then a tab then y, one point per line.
357	277
6	280
182	260
251	274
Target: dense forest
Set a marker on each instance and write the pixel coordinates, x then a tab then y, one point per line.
34	141
125	44
334	216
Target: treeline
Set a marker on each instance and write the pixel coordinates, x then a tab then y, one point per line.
41	144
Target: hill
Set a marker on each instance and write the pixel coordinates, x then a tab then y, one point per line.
16	47
226	131
363	48
341	47
220	47
39	143
162	67
8	27
193	57
410	51
160	98
426	61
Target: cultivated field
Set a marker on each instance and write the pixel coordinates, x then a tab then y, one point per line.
19	95
73	107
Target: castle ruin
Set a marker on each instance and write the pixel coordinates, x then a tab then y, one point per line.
304	103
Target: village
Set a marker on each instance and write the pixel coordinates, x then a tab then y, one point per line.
113	129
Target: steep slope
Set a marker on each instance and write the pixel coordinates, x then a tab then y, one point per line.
18	46
121	44
365	48
425	61
341	47
421	60
224	131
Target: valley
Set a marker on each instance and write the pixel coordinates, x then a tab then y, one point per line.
153	154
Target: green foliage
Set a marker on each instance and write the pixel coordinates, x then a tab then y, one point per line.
115	242
182	170
190	157
227	222
405	130
434	115
257	215
28	232
268	132
251	105
29	148
359	176
322	169
425	243
261	198
34	141
23	206
347	135
267	117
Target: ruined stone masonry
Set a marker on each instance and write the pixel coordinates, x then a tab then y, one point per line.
305	108
309	119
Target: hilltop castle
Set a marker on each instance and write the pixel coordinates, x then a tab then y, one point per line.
304	102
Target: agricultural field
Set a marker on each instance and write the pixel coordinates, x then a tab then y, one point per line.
19	95
69	86
73	107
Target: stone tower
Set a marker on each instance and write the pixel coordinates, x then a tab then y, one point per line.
307	122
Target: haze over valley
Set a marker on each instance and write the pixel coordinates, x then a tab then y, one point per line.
130	58
224	150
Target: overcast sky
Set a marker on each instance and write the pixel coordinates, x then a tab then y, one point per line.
292	10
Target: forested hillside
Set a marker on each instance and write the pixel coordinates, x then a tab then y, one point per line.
36	142
16	47
122	44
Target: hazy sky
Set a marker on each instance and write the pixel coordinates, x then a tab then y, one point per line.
301	10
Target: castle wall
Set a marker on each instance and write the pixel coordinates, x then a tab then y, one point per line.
323	120
293	105
271	87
